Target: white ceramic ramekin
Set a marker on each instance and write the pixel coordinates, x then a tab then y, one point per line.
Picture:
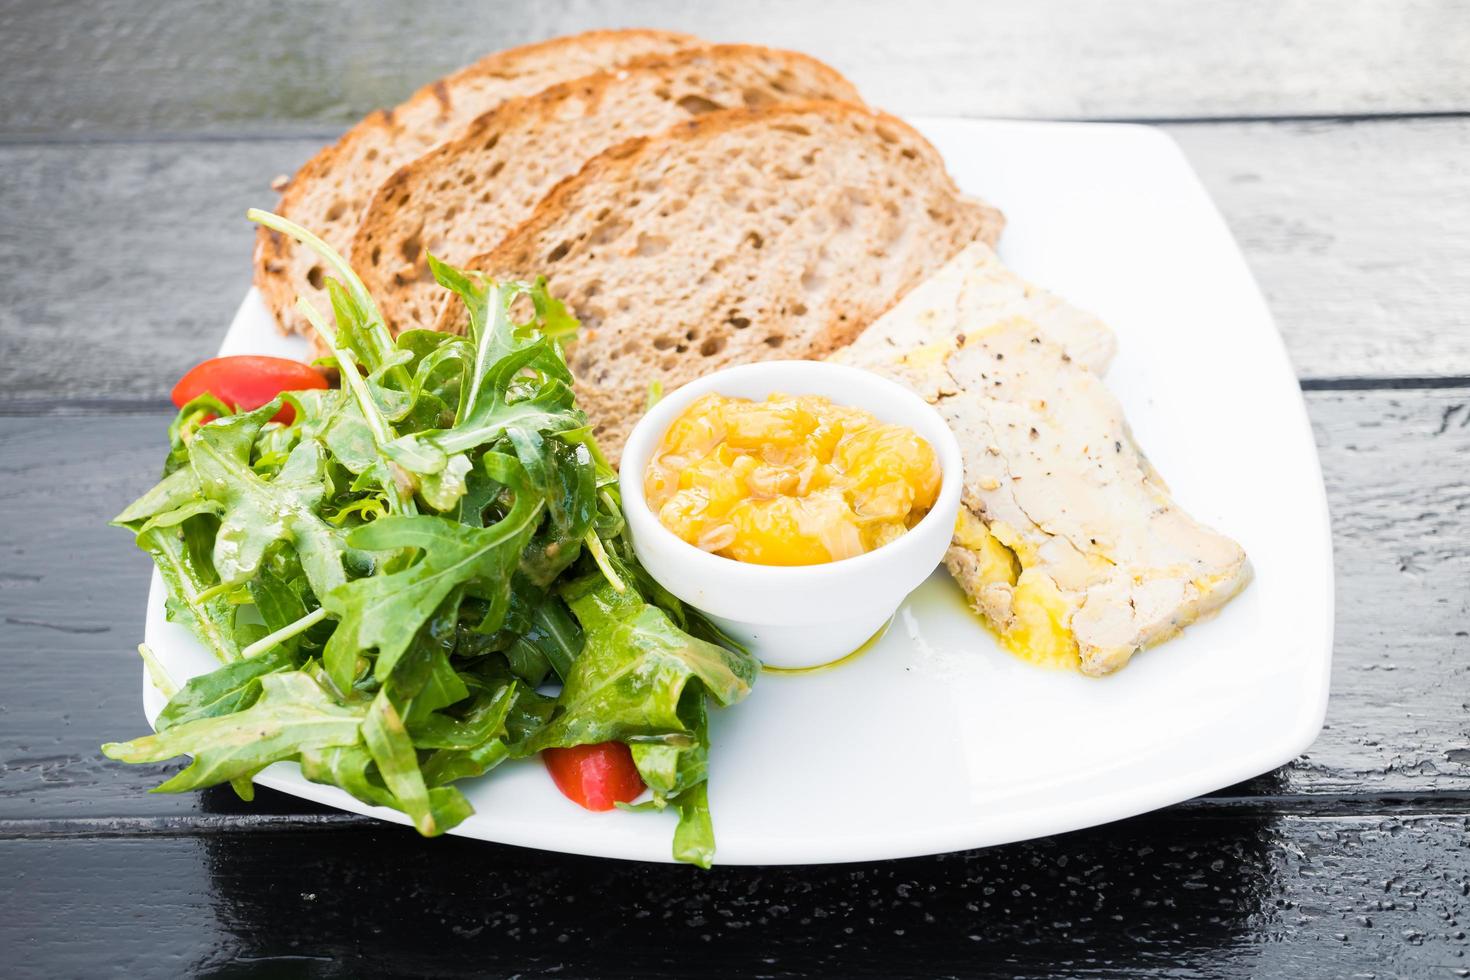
807	615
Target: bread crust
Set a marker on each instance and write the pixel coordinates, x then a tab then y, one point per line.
481	185
282	272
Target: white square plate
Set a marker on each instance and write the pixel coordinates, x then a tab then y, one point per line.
937	740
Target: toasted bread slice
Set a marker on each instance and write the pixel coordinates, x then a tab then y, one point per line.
462	198
330	191
743	235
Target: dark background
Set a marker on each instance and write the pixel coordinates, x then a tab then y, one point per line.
1335	138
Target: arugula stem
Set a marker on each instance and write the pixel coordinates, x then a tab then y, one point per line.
284	633
596	451
216	590
156	672
355	286
382	434
348	366
599	555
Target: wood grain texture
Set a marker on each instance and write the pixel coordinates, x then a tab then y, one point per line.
1394	466
1359	234
72	590
179	65
133	136
142	250
1165	896
139	252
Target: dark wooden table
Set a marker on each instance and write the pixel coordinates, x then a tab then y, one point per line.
1336	139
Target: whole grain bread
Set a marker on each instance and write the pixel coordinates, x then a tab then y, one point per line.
462	198
328	194
743	235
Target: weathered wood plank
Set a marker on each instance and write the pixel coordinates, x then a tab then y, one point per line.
126	261
71	598
178	65
1358	233
1394	466
129	259
1167	896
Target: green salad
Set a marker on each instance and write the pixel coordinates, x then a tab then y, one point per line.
396	580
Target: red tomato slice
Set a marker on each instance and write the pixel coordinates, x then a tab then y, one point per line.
248	381
595	776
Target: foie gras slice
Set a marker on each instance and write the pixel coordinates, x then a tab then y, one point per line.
970	292
1068	543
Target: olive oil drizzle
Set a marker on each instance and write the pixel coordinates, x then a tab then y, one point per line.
867	645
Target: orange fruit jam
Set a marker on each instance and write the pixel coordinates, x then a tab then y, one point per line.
792	480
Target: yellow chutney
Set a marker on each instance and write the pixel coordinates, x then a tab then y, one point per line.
792	480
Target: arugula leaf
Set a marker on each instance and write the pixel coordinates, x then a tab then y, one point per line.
349	767
425	345
392	749
484	722
448	765
481	490
567	483
198	411
694	836
383	612
671	769
425	681
438	362
334	418
632	672
155	520
281	593
224	690
257	513
177	490
492	334
292	713
443	488
497	400
210	617
678	775
527	662
556	635
359	324
504	410
473	737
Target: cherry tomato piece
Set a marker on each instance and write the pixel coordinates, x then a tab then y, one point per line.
595	776
248	381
